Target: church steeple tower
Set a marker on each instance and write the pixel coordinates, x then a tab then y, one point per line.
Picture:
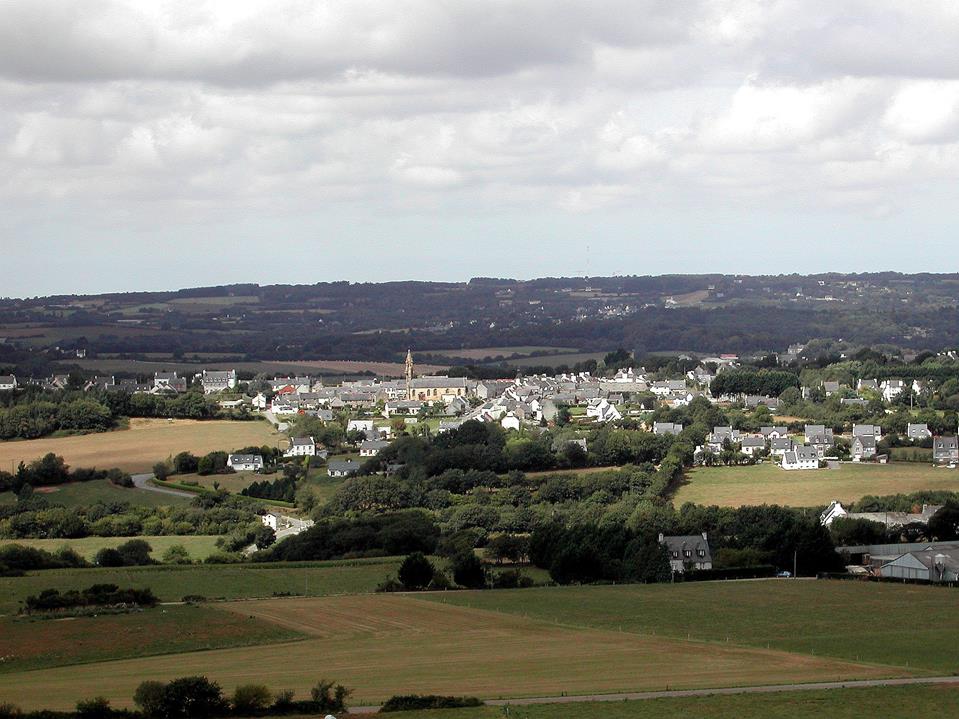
409	374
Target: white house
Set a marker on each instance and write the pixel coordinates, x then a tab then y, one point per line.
667	428
778	446
259	402
361	425
245	462
216	381
752	446
601	410
301	447
918	431
892	388
801	457
341	467
510	421
8	382
372	447
863	447
833	512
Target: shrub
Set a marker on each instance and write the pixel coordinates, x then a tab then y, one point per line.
177	554
329	697
184	698
108	557
96	708
250	699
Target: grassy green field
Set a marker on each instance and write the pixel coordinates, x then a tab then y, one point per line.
769	484
885	702
146	442
214	581
31	643
199	547
77	494
886	624
382	645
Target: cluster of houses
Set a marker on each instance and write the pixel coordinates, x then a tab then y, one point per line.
164	383
817	444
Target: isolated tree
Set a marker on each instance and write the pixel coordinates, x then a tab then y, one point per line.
176	554
251	699
263	536
416	571
468	571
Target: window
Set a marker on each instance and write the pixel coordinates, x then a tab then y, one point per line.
687	553
675	555
701	552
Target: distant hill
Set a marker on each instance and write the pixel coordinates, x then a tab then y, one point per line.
377	322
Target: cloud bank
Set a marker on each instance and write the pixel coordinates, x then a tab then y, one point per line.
128	126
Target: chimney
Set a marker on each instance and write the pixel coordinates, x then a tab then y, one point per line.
704	536
661	538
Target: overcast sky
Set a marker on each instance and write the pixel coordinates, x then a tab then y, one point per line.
153	145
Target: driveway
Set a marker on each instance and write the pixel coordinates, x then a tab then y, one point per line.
142	481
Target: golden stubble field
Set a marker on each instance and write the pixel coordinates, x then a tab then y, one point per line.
146	442
382	645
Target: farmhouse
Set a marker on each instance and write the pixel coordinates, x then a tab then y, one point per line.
602	411
342	467
801	456
687	552
361	425
752	445
168	383
775	432
245	462
930	565
778	446
215	381
8	382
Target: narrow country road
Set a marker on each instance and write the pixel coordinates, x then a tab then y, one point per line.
767	689
142	481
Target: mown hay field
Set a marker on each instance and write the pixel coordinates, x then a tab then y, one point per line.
146	442
770	484
382	645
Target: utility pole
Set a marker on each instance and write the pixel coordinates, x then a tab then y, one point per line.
795	553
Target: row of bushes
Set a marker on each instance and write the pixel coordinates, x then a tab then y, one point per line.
51	469
97	595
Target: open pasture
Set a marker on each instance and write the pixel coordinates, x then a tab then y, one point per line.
770	484
138	448
383	645
199	546
214	581
31	643
883	624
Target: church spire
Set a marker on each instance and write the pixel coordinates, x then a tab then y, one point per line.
409	374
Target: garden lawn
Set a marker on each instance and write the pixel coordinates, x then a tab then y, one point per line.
893	624
35	643
199	546
770	484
